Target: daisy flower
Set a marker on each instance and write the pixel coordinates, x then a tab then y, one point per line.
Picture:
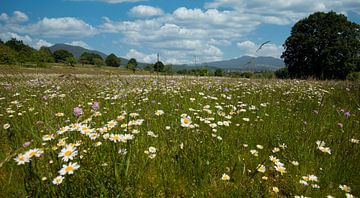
117	138
261	168
68	153
34	152
69	169
58	180
225	177
159	112
185	121
22	159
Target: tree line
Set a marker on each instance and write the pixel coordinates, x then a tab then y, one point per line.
15	51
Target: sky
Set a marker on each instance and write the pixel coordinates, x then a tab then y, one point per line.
179	30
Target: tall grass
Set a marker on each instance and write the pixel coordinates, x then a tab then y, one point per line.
284	119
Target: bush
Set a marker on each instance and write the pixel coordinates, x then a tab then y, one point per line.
354	76
282	73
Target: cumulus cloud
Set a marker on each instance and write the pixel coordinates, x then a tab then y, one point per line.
284	11
42	43
80	44
141	57
35	43
59	27
145	11
17	17
250	48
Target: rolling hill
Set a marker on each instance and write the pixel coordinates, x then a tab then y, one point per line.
75	50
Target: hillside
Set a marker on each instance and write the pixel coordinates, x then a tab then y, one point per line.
249	63
75	50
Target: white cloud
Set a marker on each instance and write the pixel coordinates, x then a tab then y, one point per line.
145	11
80	44
141	57
252	49
59	27
17	17
9	35
284	11
35	43
42	43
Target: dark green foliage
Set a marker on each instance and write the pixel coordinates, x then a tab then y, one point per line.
98	62
324	46
112	60
219	72
282	73
354	76
24	53
89	58
62	55
195	72
159	66
45	55
70	61
7	55
132	64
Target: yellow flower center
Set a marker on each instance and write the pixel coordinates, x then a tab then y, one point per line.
69	168
21	158
32	153
186	121
67	153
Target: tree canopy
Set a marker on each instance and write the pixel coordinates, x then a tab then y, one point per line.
324	46
62	56
132	64
159	66
112	60
89	58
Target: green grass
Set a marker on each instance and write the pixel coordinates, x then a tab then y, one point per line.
189	162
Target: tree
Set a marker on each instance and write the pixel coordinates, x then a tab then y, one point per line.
132	64
219	72
112	60
324	46
159	66
89	58
98	62
70	61
282	73
7	55
46	55
61	56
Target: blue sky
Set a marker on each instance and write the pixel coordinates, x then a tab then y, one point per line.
210	30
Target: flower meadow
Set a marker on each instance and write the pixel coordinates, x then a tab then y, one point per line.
174	136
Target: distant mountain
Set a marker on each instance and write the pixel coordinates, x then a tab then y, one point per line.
75	50
249	63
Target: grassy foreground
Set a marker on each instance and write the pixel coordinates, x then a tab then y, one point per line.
144	136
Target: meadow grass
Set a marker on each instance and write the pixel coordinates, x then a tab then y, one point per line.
213	136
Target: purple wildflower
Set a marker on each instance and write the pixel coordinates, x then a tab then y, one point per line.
78	111
347	114
95	106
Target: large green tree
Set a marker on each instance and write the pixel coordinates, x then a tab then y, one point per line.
62	56
323	46
89	58
112	60
7	55
132	64
159	66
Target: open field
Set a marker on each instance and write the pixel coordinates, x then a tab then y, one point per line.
147	136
